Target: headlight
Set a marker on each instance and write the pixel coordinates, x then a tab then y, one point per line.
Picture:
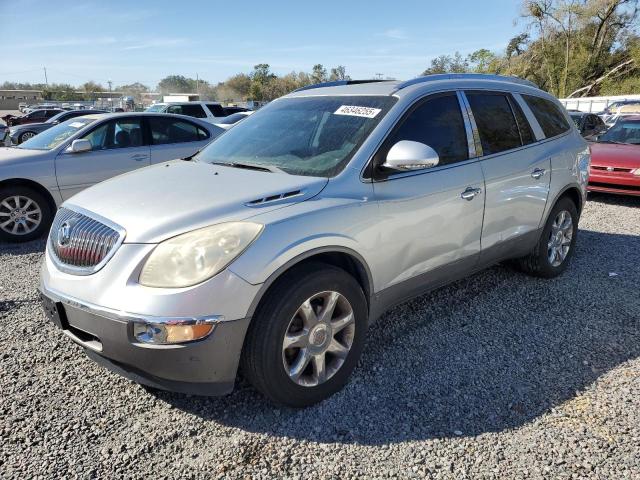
196	256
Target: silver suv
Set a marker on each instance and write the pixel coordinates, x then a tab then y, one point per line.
276	247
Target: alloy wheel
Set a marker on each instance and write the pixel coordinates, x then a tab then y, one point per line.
19	215
560	238
26	136
318	338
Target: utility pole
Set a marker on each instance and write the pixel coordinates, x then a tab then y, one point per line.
46	81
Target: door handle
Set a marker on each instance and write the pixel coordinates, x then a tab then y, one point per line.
470	193
538	173
139	157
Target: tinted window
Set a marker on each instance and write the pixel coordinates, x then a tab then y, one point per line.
437	122
121	133
167	130
548	114
496	124
190	110
230	110
216	110
526	133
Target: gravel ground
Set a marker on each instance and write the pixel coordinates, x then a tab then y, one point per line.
497	376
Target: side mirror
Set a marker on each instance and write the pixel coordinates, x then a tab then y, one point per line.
79	146
408	155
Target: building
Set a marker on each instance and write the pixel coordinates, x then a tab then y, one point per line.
9	99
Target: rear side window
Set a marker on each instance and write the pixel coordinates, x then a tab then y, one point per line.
436	122
526	133
496	123
548	114
167	130
216	110
190	110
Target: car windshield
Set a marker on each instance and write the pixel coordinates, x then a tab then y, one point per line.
57	117
624	131
54	136
156	108
577	118
311	136
233	118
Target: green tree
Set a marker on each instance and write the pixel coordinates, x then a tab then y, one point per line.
176	84
319	74
339	73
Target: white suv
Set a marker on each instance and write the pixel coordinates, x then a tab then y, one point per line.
208	111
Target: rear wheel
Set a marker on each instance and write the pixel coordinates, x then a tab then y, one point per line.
555	248
307	336
24	214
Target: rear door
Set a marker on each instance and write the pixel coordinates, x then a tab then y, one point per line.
118	146
517	173
174	138
431	218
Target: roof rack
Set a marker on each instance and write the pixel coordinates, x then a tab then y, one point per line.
337	83
465	76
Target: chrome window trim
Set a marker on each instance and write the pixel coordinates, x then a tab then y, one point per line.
531	118
84	271
475	133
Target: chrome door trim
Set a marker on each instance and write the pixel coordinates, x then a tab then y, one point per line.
472	121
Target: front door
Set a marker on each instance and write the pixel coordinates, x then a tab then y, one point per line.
118	146
431	219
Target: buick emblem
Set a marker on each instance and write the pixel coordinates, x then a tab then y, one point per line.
64	233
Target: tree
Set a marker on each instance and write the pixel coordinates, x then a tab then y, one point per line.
177	84
240	83
448	64
260	77
319	74
339	73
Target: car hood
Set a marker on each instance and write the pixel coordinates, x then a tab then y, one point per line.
12	155
26	126
615	155
159	202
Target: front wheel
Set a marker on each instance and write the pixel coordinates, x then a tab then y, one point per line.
23	137
554	250
24	214
307	336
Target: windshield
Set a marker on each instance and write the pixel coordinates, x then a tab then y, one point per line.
233	118
577	118
57	117
312	136
54	136
156	108
624	131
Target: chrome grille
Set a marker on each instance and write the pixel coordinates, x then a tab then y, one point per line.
80	244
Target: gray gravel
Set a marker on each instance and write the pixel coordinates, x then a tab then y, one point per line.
497	376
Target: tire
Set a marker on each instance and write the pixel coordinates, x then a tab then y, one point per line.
538	263
32	225
24	136
268	366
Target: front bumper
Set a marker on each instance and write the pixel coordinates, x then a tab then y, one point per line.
201	367
622	183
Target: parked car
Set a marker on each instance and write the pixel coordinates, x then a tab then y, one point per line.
615	165
22	133
41	106
288	235
589	124
208	111
613	112
39	174
36	116
5	140
232	119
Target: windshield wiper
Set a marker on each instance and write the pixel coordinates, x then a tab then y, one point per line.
251	166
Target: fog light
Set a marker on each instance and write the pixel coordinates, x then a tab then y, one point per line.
170	333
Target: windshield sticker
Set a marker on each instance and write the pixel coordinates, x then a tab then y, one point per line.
76	124
366	112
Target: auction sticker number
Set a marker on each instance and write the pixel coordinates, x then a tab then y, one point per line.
354	111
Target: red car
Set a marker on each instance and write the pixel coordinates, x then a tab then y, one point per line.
615	159
37	116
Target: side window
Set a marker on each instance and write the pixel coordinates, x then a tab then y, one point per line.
436	122
177	109
526	133
216	110
194	111
548	114
167	130
121	133
495	120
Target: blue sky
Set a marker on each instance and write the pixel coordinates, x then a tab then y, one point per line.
128	41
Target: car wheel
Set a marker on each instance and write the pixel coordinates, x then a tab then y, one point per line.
307	335
23	137
555	248
24	214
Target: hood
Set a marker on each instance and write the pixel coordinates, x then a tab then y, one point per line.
13	155
159	202
26	126
615	155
